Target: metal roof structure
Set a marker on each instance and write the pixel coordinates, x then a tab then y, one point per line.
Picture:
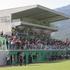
37	26
39	13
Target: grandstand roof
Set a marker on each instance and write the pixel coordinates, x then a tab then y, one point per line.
38	12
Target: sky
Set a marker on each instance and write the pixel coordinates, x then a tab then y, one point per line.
6	4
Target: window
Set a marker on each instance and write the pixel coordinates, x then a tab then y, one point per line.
4	19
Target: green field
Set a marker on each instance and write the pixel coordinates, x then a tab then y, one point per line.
59	65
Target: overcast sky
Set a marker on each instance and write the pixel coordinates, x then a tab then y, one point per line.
5	4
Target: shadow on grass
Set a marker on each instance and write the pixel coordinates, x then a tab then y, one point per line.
57	61
49	62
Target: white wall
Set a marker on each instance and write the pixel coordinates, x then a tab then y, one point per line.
5	23
3	55
5	27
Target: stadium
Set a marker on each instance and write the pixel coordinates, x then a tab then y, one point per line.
26	36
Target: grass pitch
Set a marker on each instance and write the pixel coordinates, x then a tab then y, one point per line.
60	65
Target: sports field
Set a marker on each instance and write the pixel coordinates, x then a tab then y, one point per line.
59	65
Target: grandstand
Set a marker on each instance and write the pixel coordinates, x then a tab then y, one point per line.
31	36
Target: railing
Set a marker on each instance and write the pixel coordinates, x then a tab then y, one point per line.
43	47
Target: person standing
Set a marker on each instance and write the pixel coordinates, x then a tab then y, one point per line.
20	60
7	44
24	59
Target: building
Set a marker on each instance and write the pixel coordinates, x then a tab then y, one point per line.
34	16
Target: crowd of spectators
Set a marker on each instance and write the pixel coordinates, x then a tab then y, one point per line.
18	43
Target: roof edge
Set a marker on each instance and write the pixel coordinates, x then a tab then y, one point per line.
52	10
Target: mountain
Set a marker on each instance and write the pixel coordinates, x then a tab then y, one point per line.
65	9
63	26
